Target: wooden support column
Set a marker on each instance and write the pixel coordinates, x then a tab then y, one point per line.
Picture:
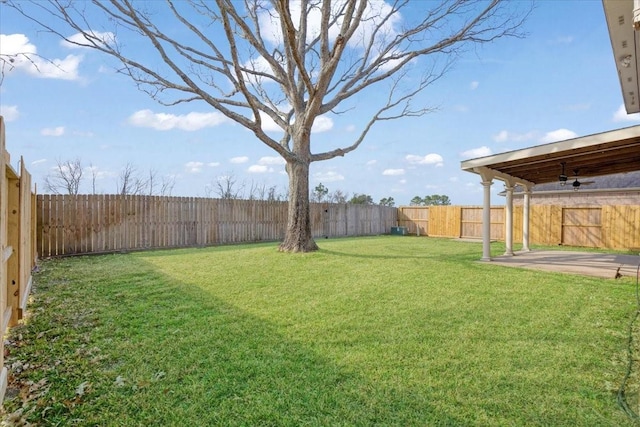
486	220
508	239
525	218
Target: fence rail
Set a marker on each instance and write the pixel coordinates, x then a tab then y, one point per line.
613	227
70	225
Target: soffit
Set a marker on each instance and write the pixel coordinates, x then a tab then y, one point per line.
625	43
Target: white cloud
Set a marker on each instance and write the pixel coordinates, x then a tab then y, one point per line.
37	162
474	85
259	65
57	131
621	115
259	169
16	44
330	176
558	135
371	162
87	134
25	58
96	36
100	174
239	160
562	40
194	167
213	164
476	152
271	160
378	22
187	122
265	164
505	135
350	128
9	112
322	124
429	159
268	124
393	172
372	23
502	136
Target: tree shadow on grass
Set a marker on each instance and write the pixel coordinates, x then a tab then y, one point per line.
427	255
177	355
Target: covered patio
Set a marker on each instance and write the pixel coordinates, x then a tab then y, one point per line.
607	266
607	153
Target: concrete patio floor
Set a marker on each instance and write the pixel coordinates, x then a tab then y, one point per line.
582	263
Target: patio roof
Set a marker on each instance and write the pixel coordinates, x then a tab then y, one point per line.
607	153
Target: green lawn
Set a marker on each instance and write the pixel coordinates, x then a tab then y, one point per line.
371	331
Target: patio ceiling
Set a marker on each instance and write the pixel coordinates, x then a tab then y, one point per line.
605	153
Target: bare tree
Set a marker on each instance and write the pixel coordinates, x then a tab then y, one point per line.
338	196
285	62
166	185
257	191
225	187
155	185
130	183
94	177
152	181
65	178
9	61
273	195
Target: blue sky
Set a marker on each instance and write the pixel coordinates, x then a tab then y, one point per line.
557	83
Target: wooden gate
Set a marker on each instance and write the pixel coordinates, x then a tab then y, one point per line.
582	226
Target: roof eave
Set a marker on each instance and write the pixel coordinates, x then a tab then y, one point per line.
625	44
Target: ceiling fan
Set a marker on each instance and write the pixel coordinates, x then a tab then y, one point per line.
563	178
576	184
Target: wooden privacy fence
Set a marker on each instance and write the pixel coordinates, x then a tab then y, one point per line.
70	225
17	245
450	221
612	227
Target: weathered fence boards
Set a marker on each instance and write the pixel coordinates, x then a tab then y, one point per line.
614	227
106	223
17	248
415	219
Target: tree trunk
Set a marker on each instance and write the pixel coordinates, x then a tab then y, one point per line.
298	237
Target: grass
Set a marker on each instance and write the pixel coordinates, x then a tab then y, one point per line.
369	331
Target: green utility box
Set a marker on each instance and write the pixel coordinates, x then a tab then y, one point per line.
398	231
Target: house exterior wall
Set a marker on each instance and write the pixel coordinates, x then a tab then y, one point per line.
582	197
